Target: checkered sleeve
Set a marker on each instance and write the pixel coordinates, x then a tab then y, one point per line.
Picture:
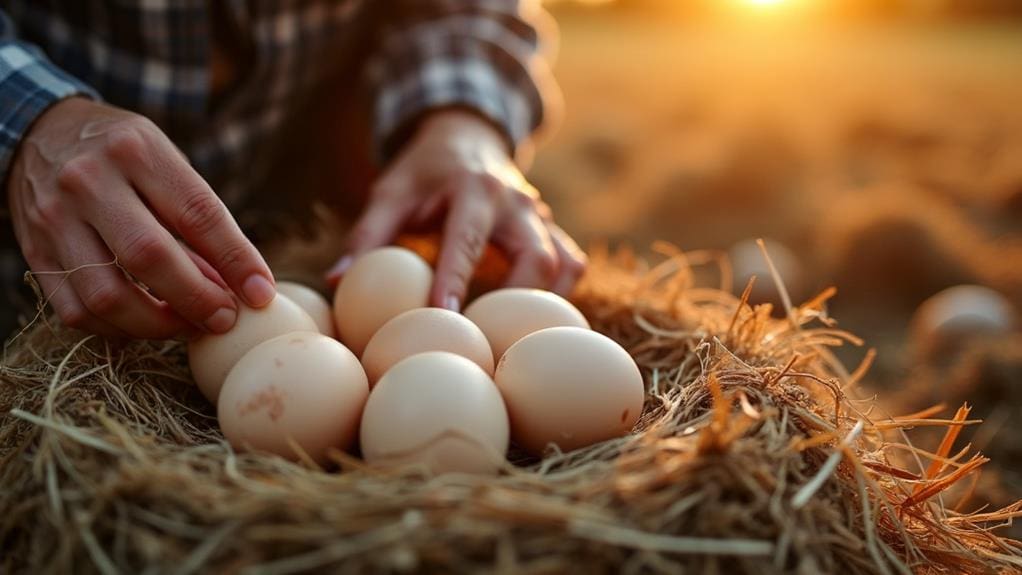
29	84
487	56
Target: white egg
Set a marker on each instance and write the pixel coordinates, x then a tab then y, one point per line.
212	356
313	303
303	387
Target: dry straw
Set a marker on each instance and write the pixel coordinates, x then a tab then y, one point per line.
752	456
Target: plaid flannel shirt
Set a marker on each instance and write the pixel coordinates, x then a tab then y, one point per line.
154	57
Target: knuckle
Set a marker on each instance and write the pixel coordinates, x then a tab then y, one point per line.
480	182
78	175
197	303
489	185
201	212
576	265
48	212
103	300
471	246
232	256
543	209
143	251
545	262
126	143
524	201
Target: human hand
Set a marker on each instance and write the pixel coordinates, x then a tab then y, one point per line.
457	168
91	183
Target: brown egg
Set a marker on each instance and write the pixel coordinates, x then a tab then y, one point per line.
379	286
425	329
507	315
569	386
491	272
302	386
313	303
438	410
212	356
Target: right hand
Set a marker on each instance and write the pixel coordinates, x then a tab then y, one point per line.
91	183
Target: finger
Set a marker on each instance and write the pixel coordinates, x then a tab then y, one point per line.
571	260
204	267
109	295
378	225
60	295
180	197
527	242
466	231
148	251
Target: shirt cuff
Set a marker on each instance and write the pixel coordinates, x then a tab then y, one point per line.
29	84
501	92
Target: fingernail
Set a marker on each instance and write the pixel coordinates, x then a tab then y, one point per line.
222	320
258	290
451	302
342	266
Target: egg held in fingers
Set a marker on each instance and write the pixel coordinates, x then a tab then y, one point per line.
211	356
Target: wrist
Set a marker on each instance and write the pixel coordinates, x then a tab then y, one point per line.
464	124
56	116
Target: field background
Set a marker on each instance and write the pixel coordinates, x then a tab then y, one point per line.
883	149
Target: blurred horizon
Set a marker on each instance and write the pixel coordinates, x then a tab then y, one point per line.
835	11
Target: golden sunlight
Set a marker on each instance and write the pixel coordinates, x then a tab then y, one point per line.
764	2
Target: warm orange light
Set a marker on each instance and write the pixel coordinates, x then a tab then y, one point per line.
764	2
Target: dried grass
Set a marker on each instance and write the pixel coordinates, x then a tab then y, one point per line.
752	456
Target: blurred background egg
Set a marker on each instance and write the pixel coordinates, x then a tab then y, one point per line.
507	315
212	356
377	287
569	386
439	410
957	314
747	260
313	303
302	386
425	329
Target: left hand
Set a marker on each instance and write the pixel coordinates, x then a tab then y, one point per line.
457	167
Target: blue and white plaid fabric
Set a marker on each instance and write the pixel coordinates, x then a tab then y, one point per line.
154	57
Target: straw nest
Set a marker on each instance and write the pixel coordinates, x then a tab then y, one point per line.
752	456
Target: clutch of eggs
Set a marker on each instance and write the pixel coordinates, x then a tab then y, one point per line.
417	386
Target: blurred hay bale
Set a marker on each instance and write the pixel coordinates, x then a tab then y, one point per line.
751	457
893	245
